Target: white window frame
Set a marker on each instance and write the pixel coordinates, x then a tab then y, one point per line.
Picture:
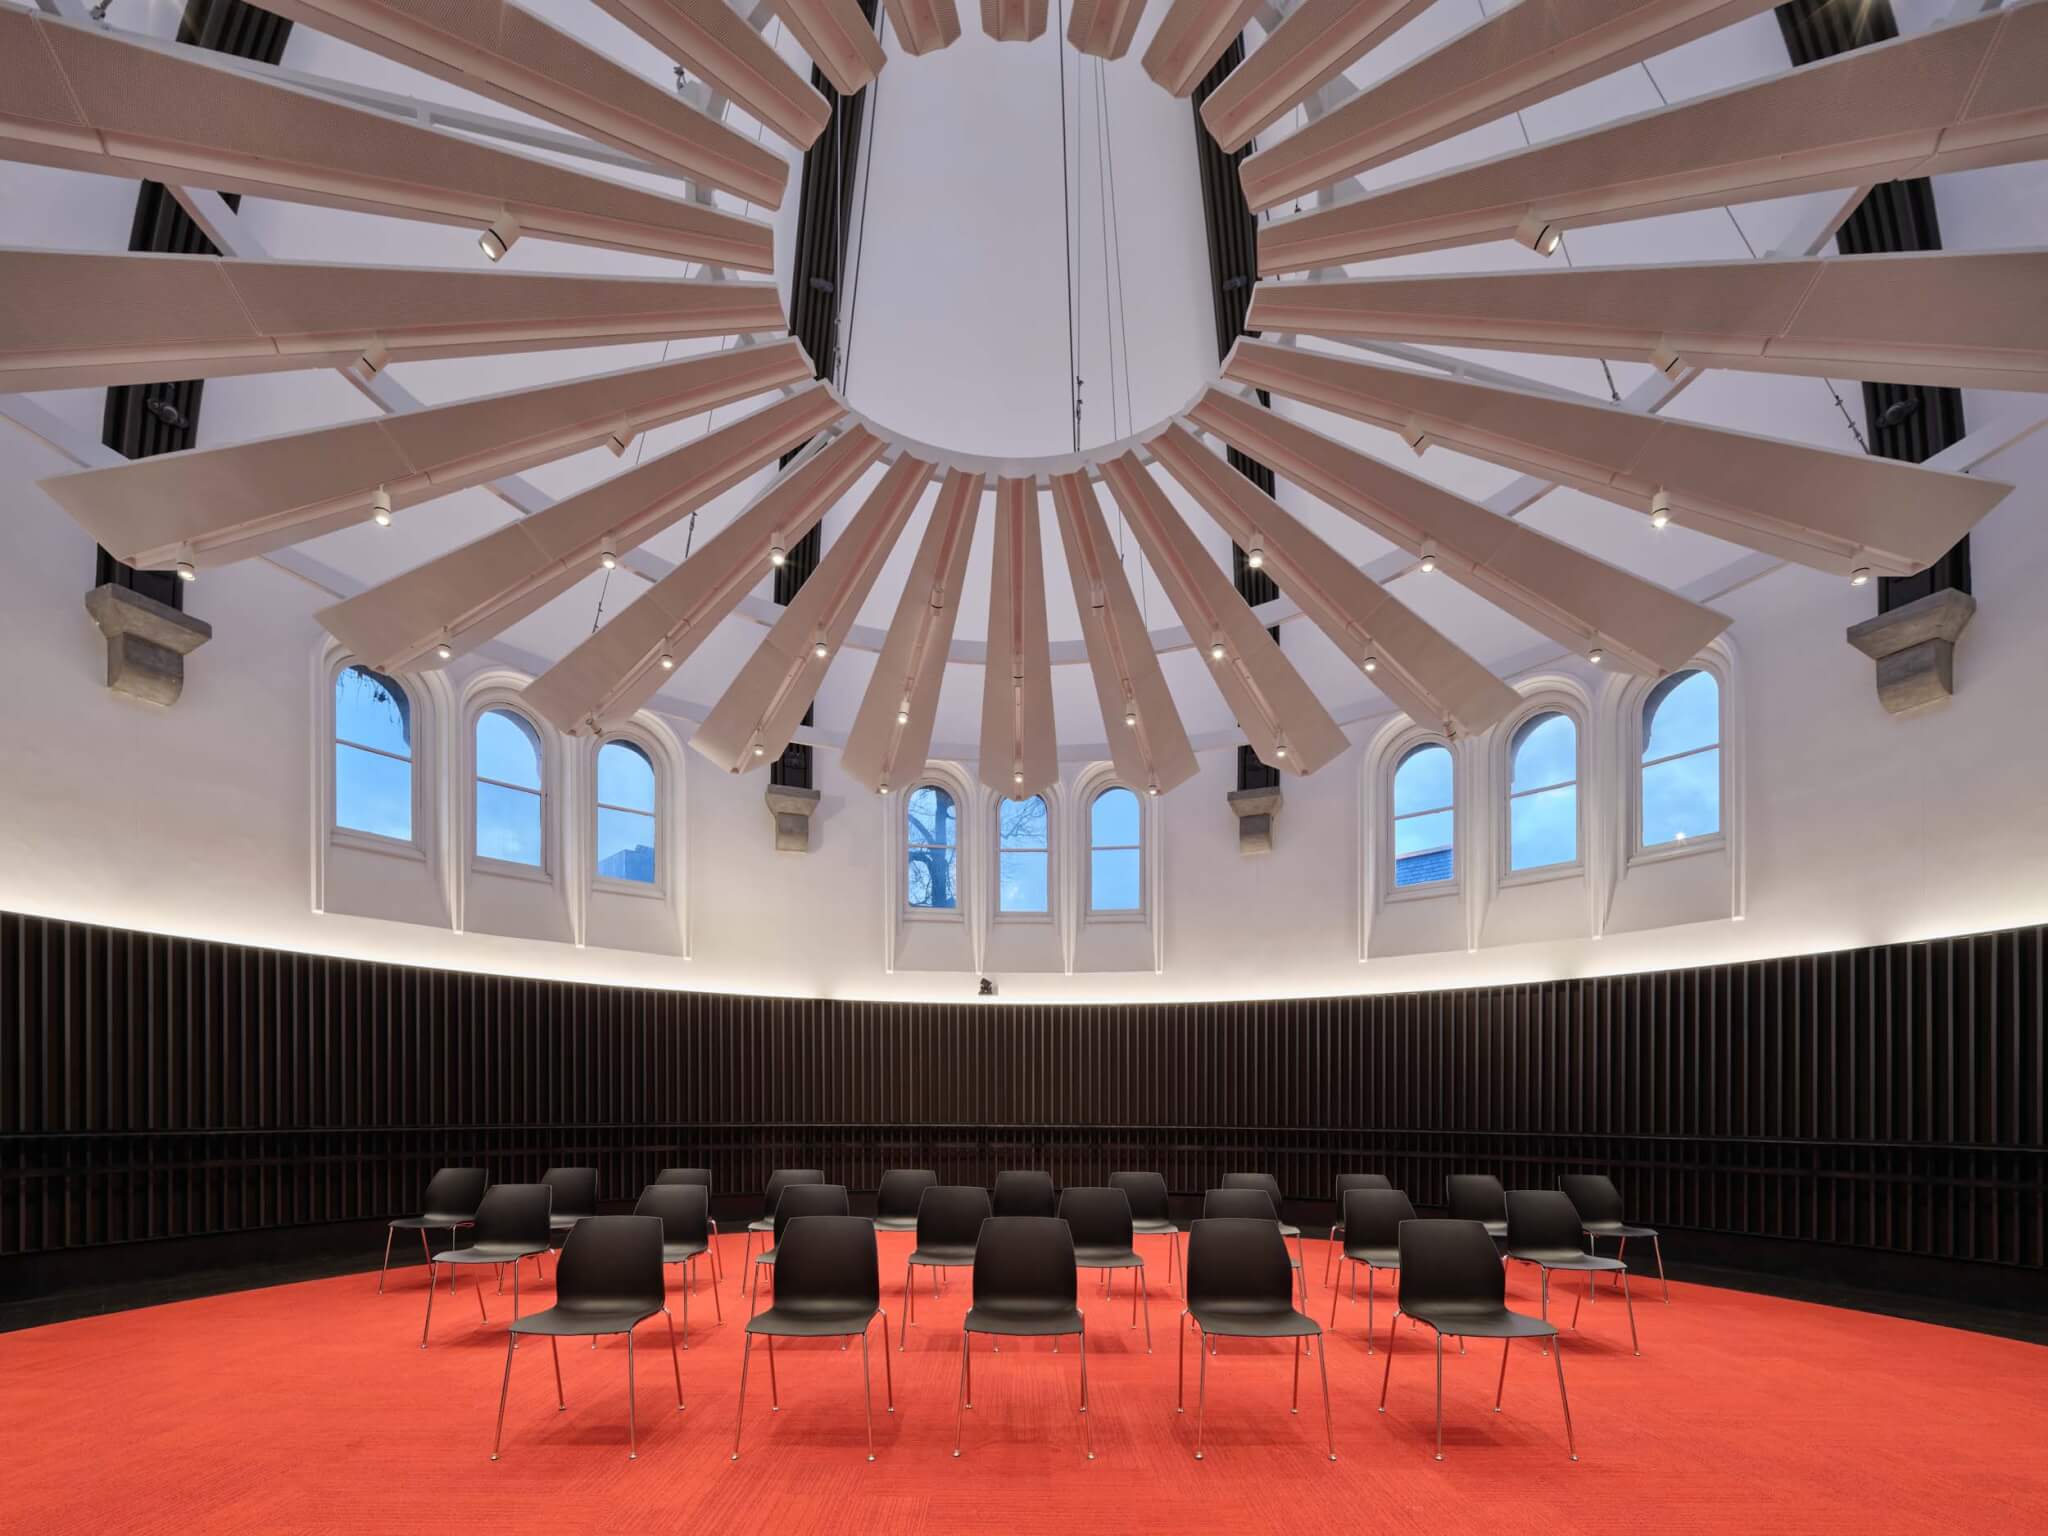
1406	746
964	864
1535	708
484	701
1635	738
1093	788
996	913
661	885
421	765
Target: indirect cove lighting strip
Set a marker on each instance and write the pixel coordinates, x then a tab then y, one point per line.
1420	670
1971	320
1278	712
1018	752
205	317
218	505
1582	603
892	730
759	712
114	104
1955	98
509	54
606	678
1521	54
712	40
1318	41
474	592
1147	741
1834	511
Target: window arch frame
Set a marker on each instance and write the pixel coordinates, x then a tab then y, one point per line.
1053	863
1396	753
1635	706
661	886
490	696
964	865
1089	792
1536	705
421	765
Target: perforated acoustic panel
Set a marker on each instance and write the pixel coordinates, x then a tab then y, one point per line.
1888	1098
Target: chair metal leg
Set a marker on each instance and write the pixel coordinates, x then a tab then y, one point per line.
555	1351
672	1359
1301	1263
740	1417
867	1390
909	1308
1621	1252
1201	1403
1145	1286
888	1368
746	1257
1087	1434
686	1304
632	1420
1180	1388
717	1306
960	1406
1546	1306
504	1390
1330	1252
1629	1301
433	1279
389	1233
1372	1276
1565	1402
480	1312
1501	1385
1294	1402
717	1264
1579	1298
774	1387
1329	1424
1387	1374
1335	1291
1439	1397
1657	1248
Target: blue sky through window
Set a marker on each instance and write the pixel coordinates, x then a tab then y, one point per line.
1681	790
1543	803
1023	856
625	813
931	836
508	800
372	754
1423	819
1115	857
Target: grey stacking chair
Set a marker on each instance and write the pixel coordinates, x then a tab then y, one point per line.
1478	1197
1025	1287
949	1219
1453	1281
797	1200
1345	1183
1598	1203
778	1181
700	1176
1239	1286
1254	1204
1543	1229
608	1281
1151	1215
511	1224
1100	1221
828	1284
1024	1192
684	1211
1372	1237
1271	1186
897	1196
575	1198
450	1203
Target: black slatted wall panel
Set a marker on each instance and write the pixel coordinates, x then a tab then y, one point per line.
1888	1098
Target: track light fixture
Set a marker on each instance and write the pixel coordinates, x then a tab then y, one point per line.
1255	557
608	558
1596	655
1280	748
1152	789
1216	649
445	651
1860	576
380	507
1428	559
187	571
1130	717
498	239
1539	233
882	788
819	648
668	662
902	718
777	555
1660	509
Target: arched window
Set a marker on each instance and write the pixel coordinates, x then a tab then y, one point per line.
1023	855
931	837
1116	852
1543	792
508	788
625	813
372	754
1681	783
1423	798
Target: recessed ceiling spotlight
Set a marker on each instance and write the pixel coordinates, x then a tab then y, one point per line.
187	571
1860	576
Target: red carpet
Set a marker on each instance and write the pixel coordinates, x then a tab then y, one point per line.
312	1408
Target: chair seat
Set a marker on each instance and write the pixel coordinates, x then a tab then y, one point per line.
1552	1258
767	1255
1378	1258
1248	1322
1484	1323
895	1223
946	1255
765	1224
432	1222
1154	1227
1618	1229
1107	1258
1495	1228
812	1322
490	1253
1287	1231
1024	1322
679	1253
579	1321
565	1223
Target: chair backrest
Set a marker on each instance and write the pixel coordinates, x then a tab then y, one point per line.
1246	1204
1346	1182
575	1190
1373	1217
950	1215
1593	1196
454	1192
1541	1219
1449	1263
1024	1192
1146	1192
828	1264
514	1213
808	1200
611	1262
781	1179
1476	1197
1241	1260
684	1176
1025	1263
901	1189
1264	1181
1098	1218
684	1210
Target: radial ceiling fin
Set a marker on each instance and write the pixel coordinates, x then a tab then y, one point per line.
924	26
1318	41
1147	741
1013	21
759	713
1192	36
1427	676
1582	603
711	39
892	733
619	668
473	592
1277	711
1019	754
1103	29
840	40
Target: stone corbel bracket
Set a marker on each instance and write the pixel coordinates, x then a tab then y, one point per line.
147	642
793	810
1255	810
1914	648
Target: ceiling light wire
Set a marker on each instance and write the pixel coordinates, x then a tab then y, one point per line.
1067	213
1102	225
867	182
